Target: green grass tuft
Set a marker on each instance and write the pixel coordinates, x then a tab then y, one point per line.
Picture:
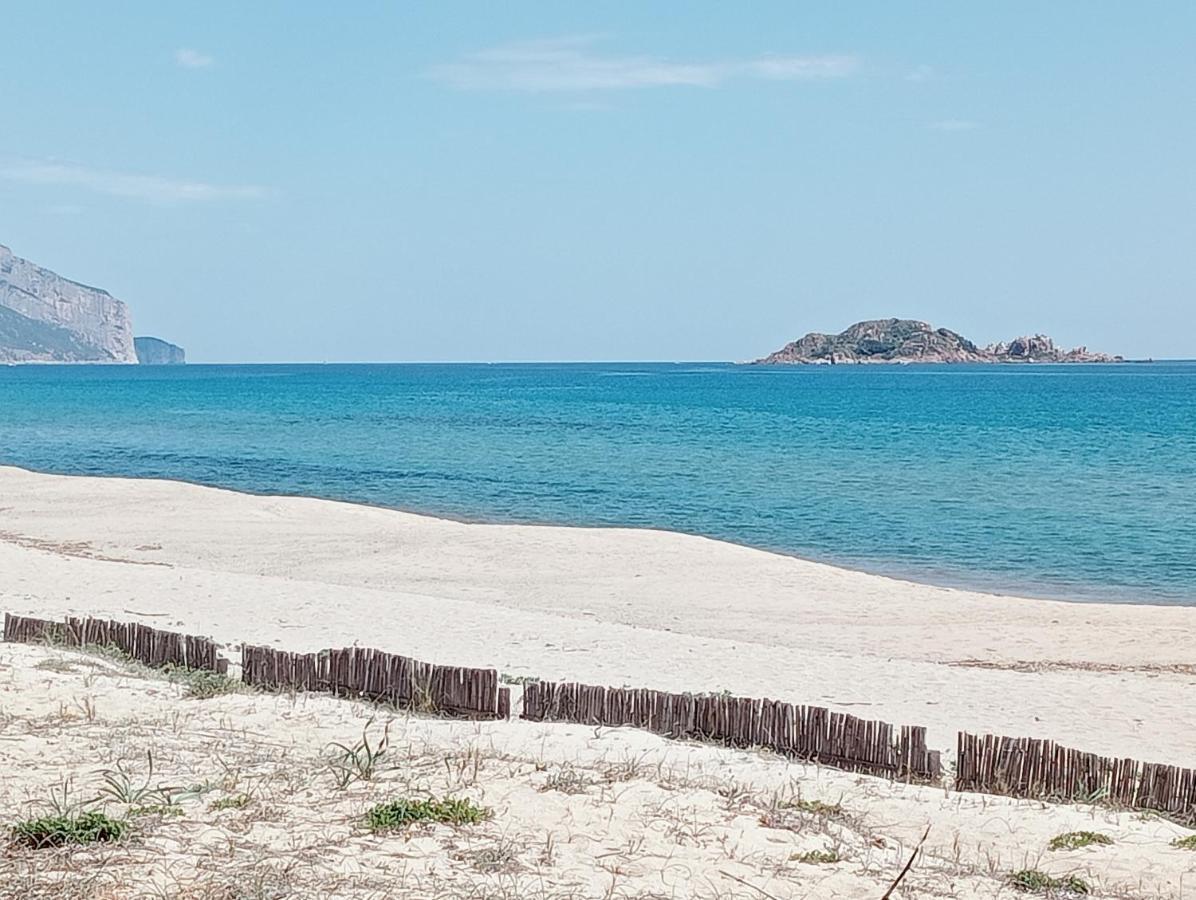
815	857
1032	881
239	801
201	684
507	678
62	829
1185	843
1074	840
156	809
360	762
399	814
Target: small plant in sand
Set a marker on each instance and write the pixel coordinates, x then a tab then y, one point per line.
238	801
735	793
193	791
55	664
201	684
1185	843
1074	840
399	814
1032	881
57	635
796	814
813	807
493	859
60	829
462	769
350	764
566	780
156	809
423	700
507	678
121	787
110	652
815	857
629	768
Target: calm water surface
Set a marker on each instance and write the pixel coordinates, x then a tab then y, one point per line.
1072	481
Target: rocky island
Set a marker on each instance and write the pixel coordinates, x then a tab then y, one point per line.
47	318
911	341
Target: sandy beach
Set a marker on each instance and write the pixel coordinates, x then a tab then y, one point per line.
612	606
577	812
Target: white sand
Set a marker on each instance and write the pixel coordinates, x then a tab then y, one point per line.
577	812
615	606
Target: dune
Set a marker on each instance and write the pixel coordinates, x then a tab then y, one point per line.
241	802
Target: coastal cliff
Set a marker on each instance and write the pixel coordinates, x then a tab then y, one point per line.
85	324
45	317
911	341
152	351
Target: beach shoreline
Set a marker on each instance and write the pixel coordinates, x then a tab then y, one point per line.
989	585
615	606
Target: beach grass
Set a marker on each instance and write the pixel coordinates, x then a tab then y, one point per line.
396	815
816	857
1032	881
1074	840
61	829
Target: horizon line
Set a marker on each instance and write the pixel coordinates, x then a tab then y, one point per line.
591	362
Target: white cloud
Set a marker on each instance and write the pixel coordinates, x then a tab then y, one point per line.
192	59
131	186
954	125
570	64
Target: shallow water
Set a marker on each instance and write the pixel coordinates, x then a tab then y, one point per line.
1071	481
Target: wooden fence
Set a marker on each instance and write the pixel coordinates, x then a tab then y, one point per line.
1016	767
803	732
1026	767
142	643
375	675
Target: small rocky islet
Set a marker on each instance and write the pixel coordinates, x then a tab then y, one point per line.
910	341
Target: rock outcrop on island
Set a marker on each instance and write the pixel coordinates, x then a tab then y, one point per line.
47	318
911	341
152	351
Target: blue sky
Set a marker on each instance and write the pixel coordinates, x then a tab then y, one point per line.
516	181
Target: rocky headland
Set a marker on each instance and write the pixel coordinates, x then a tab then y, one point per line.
911	341
152	351
47	318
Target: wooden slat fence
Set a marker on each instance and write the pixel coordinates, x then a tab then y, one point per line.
1017	767
804	732
1027	767
376	675
141	642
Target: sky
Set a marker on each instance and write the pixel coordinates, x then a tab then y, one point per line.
282	182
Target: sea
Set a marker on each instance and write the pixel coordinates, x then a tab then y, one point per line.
1070	481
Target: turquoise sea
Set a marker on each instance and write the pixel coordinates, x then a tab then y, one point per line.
1068	481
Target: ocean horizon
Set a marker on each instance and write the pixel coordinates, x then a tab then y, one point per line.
1064	481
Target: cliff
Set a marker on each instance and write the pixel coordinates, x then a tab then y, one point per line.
47	318
910	341
27	340
98	326
152	351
